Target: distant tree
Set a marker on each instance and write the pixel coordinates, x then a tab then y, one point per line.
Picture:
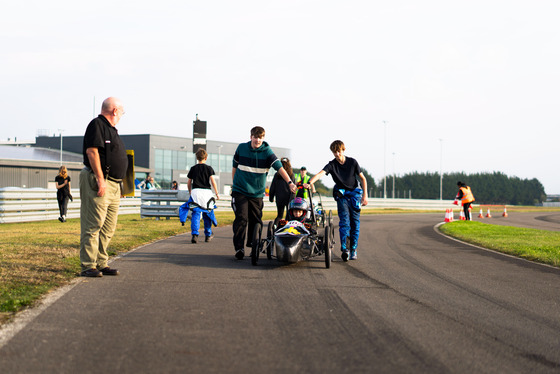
488	188
372	188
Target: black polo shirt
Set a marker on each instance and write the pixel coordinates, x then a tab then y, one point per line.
200	175
112	152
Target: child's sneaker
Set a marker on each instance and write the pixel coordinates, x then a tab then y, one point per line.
194	239
344	256
353	254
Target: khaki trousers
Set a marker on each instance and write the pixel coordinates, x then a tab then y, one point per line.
98	220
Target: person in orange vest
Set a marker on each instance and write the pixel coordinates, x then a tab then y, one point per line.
466	197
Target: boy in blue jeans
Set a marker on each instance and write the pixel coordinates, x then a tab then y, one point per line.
349	197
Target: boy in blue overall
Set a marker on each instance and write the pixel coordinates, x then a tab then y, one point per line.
349	197
201	202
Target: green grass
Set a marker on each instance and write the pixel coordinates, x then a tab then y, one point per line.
532	244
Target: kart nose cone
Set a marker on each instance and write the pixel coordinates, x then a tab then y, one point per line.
288	247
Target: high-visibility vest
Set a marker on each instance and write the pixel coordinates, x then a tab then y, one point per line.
306	179
467	195
297	177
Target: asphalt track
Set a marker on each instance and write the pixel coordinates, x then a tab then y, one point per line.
414	302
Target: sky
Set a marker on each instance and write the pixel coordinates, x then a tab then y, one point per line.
407	85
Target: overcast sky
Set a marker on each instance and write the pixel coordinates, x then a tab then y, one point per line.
475	81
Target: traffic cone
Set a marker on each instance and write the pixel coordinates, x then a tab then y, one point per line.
446	215
505	212
488	215
480	215
451	215
462	215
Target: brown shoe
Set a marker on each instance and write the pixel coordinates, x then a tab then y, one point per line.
108	271
94	273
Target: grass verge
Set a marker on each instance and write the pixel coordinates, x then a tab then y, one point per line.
531	244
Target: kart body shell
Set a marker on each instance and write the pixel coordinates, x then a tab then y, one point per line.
291	242
295	241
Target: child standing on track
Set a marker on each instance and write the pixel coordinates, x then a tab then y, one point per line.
349	197
200	177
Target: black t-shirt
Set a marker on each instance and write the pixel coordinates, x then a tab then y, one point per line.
345	175
105	137
200	175
64	191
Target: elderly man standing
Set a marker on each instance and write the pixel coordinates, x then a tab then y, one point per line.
105	163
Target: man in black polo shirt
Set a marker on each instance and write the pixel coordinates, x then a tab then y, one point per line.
105	163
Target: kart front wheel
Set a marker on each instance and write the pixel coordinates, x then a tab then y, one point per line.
327	243
256	243
269	239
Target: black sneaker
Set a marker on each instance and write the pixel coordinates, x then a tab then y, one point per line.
60	219
344	256
194	239
108	271
93	273
208	238
239	254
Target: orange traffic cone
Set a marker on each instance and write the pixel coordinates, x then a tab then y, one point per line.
462	215
480	215
488	215
446	215
451	215
505	212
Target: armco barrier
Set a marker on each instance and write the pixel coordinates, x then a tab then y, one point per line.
166	203
40	204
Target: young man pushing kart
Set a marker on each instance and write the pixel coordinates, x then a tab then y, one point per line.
251	163
349	197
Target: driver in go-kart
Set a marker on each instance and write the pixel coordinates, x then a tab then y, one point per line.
298	210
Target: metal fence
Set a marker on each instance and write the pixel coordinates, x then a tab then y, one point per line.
39	204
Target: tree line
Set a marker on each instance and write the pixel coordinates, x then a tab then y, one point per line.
488	188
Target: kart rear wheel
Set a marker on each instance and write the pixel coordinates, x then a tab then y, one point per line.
269	239
327	243
329	218
256	244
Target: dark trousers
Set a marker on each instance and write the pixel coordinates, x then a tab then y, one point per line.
281	207
466	207
248	212
62	204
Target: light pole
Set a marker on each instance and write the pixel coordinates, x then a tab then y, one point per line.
219	167
60	131
393	175
385	160
441	169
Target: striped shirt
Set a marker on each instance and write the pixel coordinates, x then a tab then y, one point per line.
252	168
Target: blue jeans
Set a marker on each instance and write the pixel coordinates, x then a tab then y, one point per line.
349	225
